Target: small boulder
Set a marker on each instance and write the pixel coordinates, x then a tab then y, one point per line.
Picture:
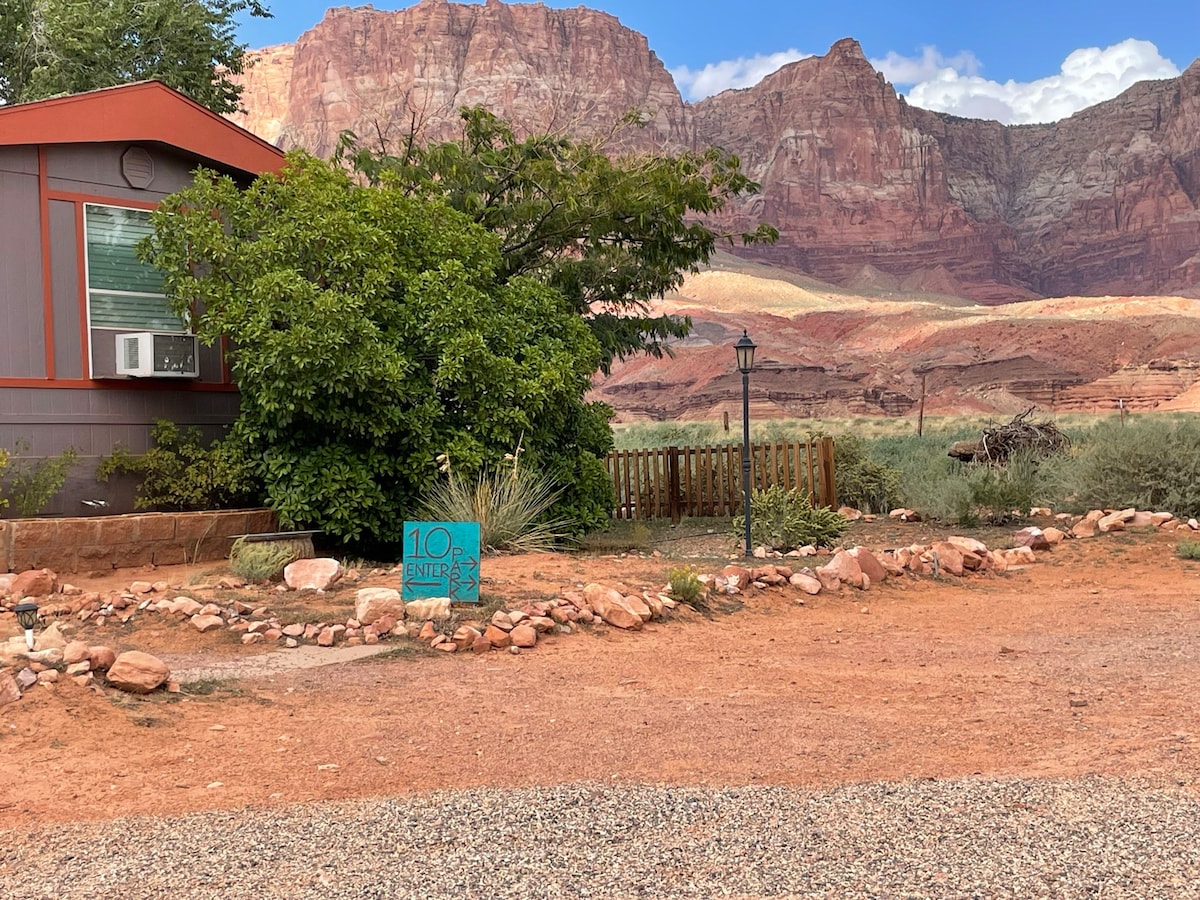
207	623
138	672
432	608
1116	521
845	567
870	564
101	657
312	574
9	691
524	636
949	558
373	604
34	583
1032	537
76	651
806	583
739	576
50	638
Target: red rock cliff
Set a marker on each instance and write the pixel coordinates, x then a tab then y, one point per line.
383	74
861	185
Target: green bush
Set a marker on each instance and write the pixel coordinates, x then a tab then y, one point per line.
998	494
784	520
1148	464
863	481
686	585
510	505
180	473
31	484
1188	550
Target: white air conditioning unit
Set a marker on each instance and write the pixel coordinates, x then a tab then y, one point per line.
154	354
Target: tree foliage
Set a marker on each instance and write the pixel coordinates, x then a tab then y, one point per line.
51	47
374	329
610	234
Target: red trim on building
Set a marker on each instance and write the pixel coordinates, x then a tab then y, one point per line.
75	197
47	272
146	112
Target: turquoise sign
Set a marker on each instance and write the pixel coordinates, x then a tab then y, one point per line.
441	559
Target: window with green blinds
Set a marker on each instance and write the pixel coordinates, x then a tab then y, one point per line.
123	291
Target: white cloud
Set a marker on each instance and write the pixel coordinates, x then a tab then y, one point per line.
953	84
696	84
913	70
1088	76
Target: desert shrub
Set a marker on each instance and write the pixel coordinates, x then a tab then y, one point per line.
258	561
1188	550
998	494
783	520
1148	464
32	483
686	585
180	473
862	480
511	506
929	481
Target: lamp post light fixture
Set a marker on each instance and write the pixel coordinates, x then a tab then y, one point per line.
745	362
27	618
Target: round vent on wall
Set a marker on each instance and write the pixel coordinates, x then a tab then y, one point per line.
138	167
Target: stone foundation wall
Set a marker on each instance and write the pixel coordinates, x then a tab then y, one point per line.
113	542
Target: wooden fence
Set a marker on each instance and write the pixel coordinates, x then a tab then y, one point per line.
707	481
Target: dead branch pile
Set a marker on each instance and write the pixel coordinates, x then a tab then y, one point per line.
1000	442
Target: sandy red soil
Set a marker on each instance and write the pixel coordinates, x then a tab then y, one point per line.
1086	662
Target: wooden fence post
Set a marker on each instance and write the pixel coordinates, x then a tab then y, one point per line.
828	484
673	483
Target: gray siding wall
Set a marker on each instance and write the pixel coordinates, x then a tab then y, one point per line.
21	309
64	285
96	169
93	422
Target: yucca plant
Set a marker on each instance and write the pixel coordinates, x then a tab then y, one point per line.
510	506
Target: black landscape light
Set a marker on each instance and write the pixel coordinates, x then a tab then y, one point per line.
27	618
745	362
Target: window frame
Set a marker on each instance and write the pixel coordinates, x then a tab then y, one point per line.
88	290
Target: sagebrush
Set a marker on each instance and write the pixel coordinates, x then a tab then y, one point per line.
784	520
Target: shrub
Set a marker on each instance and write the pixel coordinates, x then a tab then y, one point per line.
33	483
998	494
1188	550
686	585
180	473
510	506
1148	464
783	520
863	481
258	561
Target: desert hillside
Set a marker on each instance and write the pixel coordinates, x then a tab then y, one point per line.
825	350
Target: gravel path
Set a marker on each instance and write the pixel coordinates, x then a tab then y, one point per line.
1092	837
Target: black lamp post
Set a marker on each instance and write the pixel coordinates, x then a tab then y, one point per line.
27	618
745	362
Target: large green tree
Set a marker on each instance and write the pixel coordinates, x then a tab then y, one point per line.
51	47
374	330
609	232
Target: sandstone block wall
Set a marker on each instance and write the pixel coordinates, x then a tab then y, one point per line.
111	542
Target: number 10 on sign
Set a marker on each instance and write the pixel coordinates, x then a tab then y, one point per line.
441	559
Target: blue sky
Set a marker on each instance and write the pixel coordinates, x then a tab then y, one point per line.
1016	61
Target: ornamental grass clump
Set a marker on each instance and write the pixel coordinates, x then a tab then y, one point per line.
259	561
510	505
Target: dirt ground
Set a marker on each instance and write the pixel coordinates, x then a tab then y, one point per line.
1086	662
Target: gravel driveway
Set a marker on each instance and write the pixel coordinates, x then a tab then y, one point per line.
1079	838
